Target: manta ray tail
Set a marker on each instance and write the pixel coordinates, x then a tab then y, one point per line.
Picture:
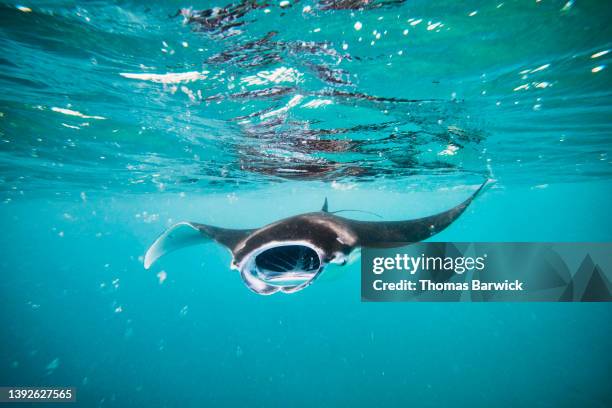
185	234
325	207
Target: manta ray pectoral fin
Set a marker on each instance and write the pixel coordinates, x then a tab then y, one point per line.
387	233
185	234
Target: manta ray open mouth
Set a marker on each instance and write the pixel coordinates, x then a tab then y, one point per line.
280	263
287	266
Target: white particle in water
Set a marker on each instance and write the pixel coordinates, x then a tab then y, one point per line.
24	9
540	68
473	13
405	32
600	54
52	366
345	46
568	5
450	150
185	44
306	9
358	25
598	68
162	276
284	4
415	22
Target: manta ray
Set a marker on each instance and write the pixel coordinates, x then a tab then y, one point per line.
289	254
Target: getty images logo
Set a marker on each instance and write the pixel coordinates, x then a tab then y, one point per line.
412	264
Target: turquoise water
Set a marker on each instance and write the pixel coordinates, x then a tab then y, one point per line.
119	119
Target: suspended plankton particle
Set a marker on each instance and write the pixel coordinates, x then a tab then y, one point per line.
524	86
358	25
162	276
415	22
185	44
600	54
568	5
306	9
540	68
450	150
284	4
473	13
52	366
75	113
405	32
598	68
168	78
345	46
24	9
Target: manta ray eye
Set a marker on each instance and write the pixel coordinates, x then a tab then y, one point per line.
287	265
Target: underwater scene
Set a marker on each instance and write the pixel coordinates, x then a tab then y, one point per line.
120	119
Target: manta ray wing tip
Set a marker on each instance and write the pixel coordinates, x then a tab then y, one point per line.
147	260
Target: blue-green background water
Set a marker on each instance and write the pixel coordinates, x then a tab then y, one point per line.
270	110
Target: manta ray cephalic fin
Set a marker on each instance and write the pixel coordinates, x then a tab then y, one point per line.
185	234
